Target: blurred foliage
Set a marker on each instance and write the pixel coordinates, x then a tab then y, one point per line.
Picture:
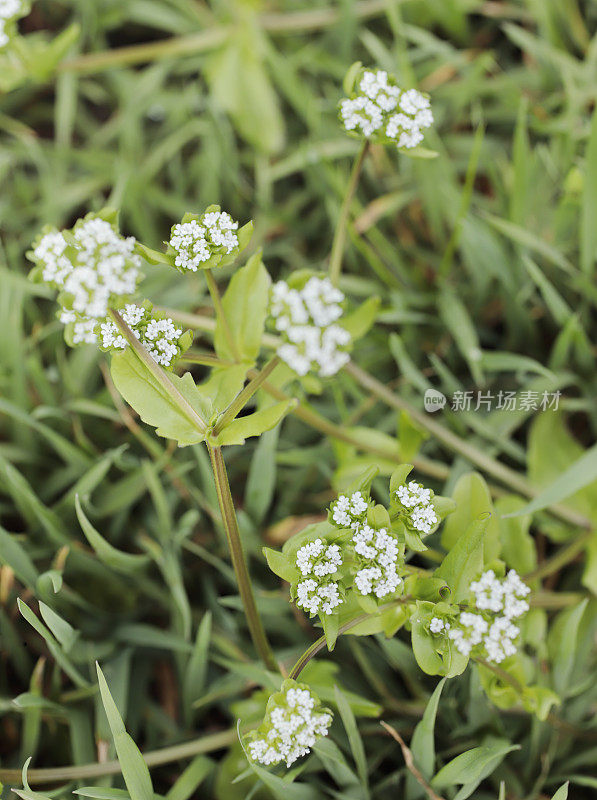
485	262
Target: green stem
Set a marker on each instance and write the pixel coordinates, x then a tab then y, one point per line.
340	234
319	644
217	301
206	744
238	559
243	397
507	476
223	492
158	373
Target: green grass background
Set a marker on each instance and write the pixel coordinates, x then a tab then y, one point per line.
484	259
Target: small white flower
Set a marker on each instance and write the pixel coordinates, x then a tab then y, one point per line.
306	320
159	336
292	724
318	597
196	241
379	107
318	559
349	511
93	268
378	556
415	500
492	631
437	625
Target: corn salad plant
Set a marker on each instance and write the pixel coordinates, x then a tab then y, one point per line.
227	546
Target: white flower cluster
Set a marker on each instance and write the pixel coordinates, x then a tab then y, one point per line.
377	551
291	726
306	320
499	601
159	336
381	108
9	9
378	554
92	269
349	512
438	625
196	241
316	593
417	506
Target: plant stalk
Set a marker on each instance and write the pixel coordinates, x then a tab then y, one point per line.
238	559
243	397
224	497
319	644
340	235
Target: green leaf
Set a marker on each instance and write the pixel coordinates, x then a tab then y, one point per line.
134	769
588	229
473	499
470	768
497	361
111	556
191	778
195	674
103	793
61	629
54	647
240	85
255	424
362	319
422	744
562	792
261	481
245	309
281	565
354	738
578	476
517	544
464	562
16	557
152	402
458	321
563	642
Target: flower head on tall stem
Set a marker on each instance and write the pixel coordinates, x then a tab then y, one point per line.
307	319
381	111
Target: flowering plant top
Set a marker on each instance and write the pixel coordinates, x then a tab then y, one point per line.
204	241
294	720
379	110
